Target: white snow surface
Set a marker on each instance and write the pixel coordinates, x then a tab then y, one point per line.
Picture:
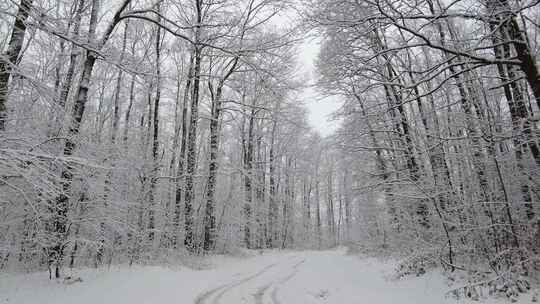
276	277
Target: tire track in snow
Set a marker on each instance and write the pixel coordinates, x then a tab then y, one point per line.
222	289
239	283
273	295
259	295
201	298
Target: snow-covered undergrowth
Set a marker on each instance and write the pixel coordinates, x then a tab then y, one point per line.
310	277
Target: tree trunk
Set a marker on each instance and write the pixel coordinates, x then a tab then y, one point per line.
273	208
59	208
181	159
213	163
155	138
8	60
248	146
318	212
68	81
191	165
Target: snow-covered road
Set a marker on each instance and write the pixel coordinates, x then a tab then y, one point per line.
304	277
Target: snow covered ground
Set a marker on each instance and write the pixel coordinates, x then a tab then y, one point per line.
305	277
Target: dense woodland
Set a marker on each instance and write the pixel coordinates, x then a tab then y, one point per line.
146	132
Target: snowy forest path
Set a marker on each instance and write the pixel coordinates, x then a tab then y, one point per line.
329	277
275	277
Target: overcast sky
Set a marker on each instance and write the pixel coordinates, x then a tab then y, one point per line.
320	109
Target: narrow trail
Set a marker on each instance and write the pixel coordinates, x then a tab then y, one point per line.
278	277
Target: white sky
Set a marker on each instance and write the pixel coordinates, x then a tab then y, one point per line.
320	109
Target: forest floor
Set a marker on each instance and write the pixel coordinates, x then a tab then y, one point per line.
275	277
